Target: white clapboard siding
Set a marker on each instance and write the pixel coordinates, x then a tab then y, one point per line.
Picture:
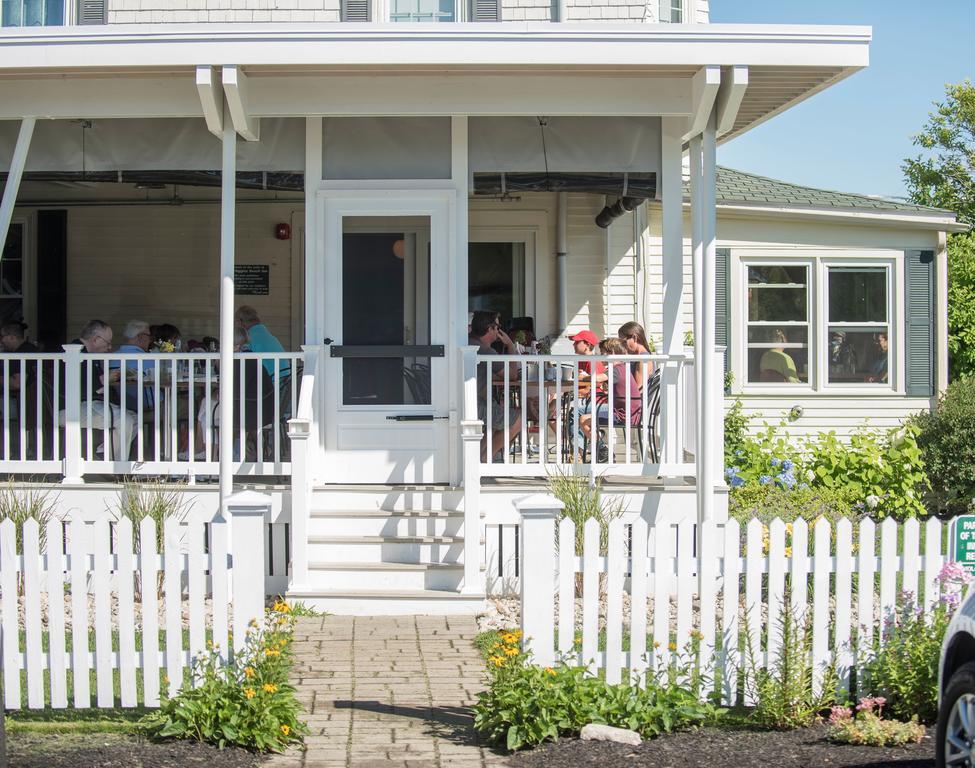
586	271
105	562
786	581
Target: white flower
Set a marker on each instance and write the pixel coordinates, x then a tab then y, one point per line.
810	475
872	501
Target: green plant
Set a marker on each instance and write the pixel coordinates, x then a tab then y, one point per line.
27	503
525	705
946	437
784	694
735	434
767	502
584	500
247	702
156	500
298	609
867	727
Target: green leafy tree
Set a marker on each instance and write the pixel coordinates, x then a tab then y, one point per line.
944	176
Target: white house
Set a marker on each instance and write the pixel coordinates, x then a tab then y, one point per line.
390	177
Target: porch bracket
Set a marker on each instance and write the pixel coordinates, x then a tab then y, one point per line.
704	90
734	83
208	86
17	163
235	86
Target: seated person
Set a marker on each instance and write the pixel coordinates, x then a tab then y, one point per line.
627	400
249	376
878	371
843	363
13	338
137	339
260	339
776	364
635	339
485	331
584	343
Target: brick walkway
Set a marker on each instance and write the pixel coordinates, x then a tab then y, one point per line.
388	691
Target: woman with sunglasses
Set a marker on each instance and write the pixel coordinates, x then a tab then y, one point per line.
635	339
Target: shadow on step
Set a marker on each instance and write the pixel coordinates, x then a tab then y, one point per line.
454	724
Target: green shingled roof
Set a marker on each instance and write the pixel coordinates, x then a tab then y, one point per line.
740	187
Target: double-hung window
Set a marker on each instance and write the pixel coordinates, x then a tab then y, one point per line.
422	10
825	323
32	13
671	11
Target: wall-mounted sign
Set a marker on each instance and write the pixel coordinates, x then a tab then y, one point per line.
252	279
963	541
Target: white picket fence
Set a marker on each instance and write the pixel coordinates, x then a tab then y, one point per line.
105	575
731	591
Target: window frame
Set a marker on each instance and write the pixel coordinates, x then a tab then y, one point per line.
818	264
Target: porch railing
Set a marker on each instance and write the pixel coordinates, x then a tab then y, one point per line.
154	414
624	414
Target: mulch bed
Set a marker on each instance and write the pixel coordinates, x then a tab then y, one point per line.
711	747
109	750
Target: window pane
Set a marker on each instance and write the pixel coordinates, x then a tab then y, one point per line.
857	295
33	13
776	293
54	12
12	13
776	274
778	354
857	355
496	278
422	10
386	381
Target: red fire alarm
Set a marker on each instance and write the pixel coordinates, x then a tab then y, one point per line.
282	231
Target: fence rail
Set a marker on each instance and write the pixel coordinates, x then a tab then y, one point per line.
97	604
151	414
731	587
543	412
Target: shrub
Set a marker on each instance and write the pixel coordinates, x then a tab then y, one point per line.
525	705
767	502
23	504
584	500
784	694
248	702
867	727
156	500
902	663
946	437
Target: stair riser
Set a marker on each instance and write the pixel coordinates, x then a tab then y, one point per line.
445	579
393	607
385	526
391	552
390	499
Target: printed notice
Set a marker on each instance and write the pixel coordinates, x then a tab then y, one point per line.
252	279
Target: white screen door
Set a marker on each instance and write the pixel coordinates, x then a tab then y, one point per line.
385	314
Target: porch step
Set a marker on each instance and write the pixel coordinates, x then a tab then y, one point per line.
389	498
415	548
399	539
385	523
396	577
382	602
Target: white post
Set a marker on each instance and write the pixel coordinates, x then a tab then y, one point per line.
471	431
72	471
314	138
17	163
457	305
697	266
538	515
299	430
246	513
672	234
710	372
228	202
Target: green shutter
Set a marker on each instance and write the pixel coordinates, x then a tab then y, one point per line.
722	258
486	10
919	303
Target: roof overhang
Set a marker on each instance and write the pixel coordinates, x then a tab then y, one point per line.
478	69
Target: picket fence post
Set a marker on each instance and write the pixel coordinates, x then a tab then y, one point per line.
73	471
538	514
246	513
472	431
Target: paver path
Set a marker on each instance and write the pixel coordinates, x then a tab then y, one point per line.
388	691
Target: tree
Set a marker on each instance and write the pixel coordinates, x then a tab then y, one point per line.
944	176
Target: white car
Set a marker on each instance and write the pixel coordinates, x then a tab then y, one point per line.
956	689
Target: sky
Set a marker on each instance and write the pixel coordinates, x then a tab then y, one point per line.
855	135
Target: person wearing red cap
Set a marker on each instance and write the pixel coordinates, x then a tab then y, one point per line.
585	343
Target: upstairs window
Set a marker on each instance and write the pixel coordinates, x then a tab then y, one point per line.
671	11
422	10
32	13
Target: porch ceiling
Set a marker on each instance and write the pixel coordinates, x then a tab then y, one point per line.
335	69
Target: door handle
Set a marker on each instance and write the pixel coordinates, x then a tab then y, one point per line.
326	340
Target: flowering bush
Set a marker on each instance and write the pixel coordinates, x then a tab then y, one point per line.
526	705
904	667
867	727
248	702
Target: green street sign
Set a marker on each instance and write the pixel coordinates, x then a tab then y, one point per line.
963	541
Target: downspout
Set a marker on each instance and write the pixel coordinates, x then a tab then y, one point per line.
562	261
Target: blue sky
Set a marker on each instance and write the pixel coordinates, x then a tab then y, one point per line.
855	135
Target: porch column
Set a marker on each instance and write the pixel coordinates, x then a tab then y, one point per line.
17	163
672	235
228	202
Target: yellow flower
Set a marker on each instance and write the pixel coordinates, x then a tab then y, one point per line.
166	679
285	729
252	623
250	693
656	644
510	651
270	652
270	687
672	646
496	660
282	621
248	672
282	642
549	670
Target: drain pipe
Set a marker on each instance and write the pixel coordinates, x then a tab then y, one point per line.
562	261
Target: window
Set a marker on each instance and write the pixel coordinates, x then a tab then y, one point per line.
421	10
496	278
778	323
32	13
859	329
12	276
672	11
